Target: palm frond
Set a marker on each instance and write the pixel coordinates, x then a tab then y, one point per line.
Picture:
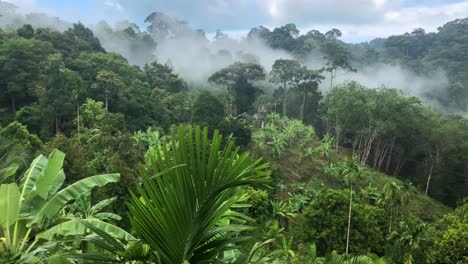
179	212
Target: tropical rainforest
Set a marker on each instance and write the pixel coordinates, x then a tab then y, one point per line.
116	154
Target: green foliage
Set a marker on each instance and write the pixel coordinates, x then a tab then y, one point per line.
324	222
183	221
451	236
237	79
280	133
241	132
19	134
411	242
33	205
161	76
208	111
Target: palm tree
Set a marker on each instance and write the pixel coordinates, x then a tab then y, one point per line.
392	199
183	208
338	259
412	239
351	172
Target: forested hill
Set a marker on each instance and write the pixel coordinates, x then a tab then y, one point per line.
424	53
335	170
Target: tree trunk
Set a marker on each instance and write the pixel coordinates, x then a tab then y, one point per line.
429	176
107	108
303	104
389	160
332	76
284	100
78	121
349	219
13	104
56	124
390	223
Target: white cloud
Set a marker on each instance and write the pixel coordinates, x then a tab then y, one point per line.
400	20
113	4
25	5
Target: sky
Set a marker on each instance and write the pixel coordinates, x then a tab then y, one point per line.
359	20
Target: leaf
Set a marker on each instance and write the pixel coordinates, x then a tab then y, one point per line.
103	204
108	216
59	260
9	204
57	183
28	181
74	227
183	213
45	181
8	172
72	192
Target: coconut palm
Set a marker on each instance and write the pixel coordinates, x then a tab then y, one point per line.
392	200
182	210
350	172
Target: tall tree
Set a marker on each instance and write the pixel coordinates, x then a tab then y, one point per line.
236	77
287	73
337	57
110	83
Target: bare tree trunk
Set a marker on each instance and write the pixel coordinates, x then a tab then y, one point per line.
390	223
107	103
355	143
303	104
78	121
56	124
338	131
285	99
368	147
429	176
398	167
389	160
13	103
332	76
377	153
349	218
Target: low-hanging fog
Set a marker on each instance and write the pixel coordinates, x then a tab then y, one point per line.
195	58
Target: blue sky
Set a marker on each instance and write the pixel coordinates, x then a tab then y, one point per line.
358	19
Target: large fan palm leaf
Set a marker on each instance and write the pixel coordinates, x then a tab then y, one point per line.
189	187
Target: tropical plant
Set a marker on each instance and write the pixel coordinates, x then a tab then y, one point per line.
282	211
182	210
30	208
412	240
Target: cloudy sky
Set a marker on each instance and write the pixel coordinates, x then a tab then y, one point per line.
360	20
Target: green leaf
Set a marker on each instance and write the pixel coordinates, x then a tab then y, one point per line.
8	172
74	228
28	181
72	192
108	216
46	180
103	204
59	260
57	183
184	212
9	204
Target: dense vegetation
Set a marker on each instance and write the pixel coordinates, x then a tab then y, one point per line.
356	175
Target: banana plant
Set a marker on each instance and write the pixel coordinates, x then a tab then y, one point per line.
30	207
